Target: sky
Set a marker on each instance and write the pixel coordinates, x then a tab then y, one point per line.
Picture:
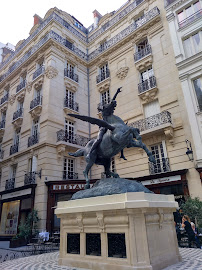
16	17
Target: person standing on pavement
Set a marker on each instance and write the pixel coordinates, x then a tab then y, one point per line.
186	224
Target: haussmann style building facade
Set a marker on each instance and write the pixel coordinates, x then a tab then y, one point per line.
62	68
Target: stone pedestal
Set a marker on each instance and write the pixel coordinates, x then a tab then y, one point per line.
133	231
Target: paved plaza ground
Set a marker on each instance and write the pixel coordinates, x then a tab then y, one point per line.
191	260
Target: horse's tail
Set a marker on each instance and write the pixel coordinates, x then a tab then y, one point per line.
78	153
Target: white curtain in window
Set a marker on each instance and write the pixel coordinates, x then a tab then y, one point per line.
151	108
187	47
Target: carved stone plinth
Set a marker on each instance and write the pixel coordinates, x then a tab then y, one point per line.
133	231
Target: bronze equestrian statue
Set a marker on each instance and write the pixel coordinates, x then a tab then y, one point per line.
116	135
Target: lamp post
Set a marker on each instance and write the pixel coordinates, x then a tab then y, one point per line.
189	151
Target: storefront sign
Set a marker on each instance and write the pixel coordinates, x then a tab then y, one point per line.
16	194
161	180
69	187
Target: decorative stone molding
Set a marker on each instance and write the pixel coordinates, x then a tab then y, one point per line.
4	108
60	151
21	96
122	72
169	133
29	87
36	112
51	72
100	221
104	85
70	84
149	95
144	62
17	123
79	220
11	99
39	82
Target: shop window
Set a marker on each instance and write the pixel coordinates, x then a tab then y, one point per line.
198	91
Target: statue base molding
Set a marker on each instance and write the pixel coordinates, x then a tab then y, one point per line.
129	231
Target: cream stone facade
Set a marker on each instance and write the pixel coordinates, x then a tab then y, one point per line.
65	68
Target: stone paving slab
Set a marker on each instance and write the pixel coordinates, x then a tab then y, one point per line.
191	260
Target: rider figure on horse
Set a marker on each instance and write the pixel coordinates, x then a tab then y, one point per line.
107	110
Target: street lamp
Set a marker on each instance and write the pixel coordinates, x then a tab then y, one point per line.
189	150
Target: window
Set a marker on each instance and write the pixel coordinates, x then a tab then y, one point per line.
160	155
35	128
68	168
69	130
104	69
38	92
105	97
20	105
198	90
32	164
142	45
189	14
16	138
70	96
146	74
193	44
3	116
151	108
13	171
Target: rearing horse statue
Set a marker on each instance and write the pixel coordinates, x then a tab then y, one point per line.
117	137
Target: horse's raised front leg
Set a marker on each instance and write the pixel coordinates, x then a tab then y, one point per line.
140	144
107	170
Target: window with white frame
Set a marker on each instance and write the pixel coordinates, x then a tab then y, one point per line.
151	108
193	44
105	97
70	68
13	170
160	155
198	91
189	13
146	74
38	92
68	169
32	164
35	128
16	139
69	130
69	99
104	70
20	105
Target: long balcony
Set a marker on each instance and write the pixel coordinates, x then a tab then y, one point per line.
36	102
161	165
30	178
18	114
64	136
14	149
38	72
4	99
33	139
142	53
191	18
70	176
71	104
103	76
147	85
153	121
71	75
10	184
21	86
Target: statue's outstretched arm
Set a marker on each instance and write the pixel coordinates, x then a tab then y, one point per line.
118	91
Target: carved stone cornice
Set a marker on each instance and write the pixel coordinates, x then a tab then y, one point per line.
39	81
169	133
5	107
149	95
144	62
70	84
29	87
60	151
122	72
104	85
36	112
51	72
11	99
17	123
21	96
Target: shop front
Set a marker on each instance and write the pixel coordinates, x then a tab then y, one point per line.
16	204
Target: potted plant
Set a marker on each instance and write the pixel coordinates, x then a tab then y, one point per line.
27	230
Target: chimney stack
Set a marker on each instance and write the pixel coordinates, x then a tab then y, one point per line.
37	19
97	16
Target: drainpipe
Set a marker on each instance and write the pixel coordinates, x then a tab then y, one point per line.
89	125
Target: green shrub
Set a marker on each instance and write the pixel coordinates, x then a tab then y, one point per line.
193	208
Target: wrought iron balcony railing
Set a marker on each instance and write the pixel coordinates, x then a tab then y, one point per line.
10	184
64	136
14	149
70	175
142	53
33	139
18	114
71	104
21	86
147	84
103	76
36	102
4	99
38	72
153	121
168	2
30	178
71	75
2	124
161	165
1	154
191	18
